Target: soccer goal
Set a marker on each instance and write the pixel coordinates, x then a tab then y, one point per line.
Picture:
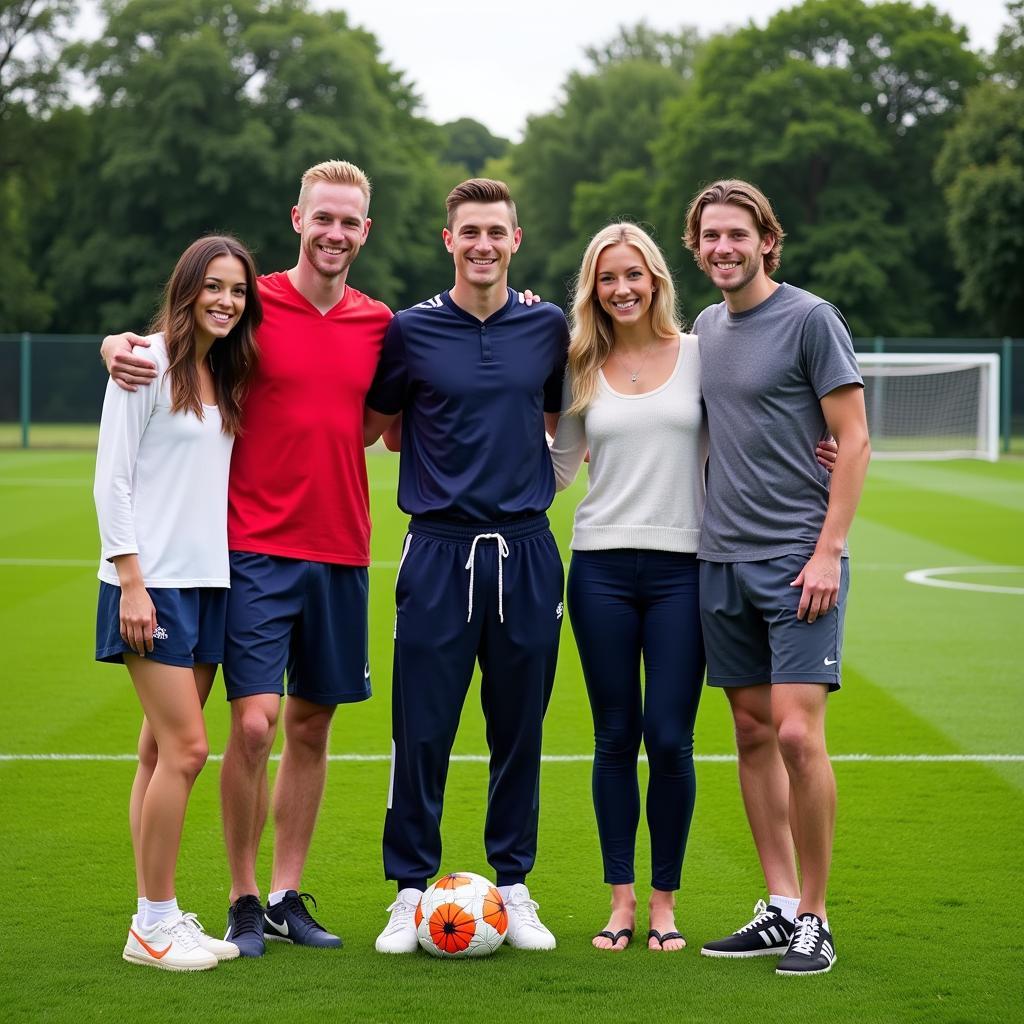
932	405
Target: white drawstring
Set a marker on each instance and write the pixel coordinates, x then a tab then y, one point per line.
471	566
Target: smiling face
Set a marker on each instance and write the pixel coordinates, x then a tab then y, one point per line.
333	226
221	299
732	250
623	285
482	240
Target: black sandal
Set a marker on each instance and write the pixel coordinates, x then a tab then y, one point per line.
627	932
662	939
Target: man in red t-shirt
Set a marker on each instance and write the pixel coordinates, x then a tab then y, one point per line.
299	535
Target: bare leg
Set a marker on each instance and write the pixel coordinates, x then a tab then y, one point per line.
175	715
204	675
663	919
798	710
143	773
623	916
764	783
243	785
299	788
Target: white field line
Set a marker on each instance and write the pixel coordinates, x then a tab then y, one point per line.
43	481
931	578
580	758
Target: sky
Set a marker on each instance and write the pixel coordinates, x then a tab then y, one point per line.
481	60
499	63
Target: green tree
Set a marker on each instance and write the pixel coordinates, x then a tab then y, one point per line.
836	109
675	50
31	149
573	165
208	113
981	167
470	144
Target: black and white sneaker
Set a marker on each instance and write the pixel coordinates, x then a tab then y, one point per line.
811	950
768	934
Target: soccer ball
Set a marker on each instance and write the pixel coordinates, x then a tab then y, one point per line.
461	914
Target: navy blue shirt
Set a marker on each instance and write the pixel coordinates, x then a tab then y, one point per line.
473	394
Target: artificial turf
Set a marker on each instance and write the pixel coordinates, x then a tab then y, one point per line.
927	865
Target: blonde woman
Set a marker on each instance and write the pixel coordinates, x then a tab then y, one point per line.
633	398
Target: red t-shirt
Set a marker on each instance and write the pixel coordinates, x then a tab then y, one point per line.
298	473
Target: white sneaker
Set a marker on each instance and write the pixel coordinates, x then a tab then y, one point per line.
525	929
400	934
170	945
218	947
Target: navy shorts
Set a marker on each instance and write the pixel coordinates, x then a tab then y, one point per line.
189	625
308	619
751	632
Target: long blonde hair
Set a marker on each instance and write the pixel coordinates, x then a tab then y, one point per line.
593	337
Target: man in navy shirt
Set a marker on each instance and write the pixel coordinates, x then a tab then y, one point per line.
476	375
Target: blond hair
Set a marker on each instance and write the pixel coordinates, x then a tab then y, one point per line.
592	336
334	172
480	190
732	191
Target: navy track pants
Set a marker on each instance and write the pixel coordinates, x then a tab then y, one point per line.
504	610
624	605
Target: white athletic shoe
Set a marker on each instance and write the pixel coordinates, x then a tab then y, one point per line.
170	945
218	947
400	934
525	929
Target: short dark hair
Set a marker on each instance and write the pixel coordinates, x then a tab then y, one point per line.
480	190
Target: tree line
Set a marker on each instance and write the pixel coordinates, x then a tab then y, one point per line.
893	150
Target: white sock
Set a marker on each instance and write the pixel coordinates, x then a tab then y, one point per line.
787	904
160	910
140	911
275	897
825	926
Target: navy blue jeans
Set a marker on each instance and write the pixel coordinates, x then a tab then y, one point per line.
626	606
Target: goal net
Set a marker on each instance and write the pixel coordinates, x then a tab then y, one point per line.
932	405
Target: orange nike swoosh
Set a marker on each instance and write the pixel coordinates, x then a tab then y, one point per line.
159	954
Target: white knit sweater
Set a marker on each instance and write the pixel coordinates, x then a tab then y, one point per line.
161	485
647	455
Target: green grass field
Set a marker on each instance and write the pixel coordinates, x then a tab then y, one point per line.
927	736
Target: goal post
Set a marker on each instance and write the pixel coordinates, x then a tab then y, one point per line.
932	405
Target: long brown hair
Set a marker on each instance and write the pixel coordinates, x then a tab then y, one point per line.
232	358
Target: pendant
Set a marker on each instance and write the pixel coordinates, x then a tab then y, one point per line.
635	377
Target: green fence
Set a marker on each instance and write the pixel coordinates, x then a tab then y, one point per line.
51	385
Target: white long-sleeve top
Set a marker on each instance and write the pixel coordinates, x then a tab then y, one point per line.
161	486
647	455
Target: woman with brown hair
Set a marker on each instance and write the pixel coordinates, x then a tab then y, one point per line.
161	500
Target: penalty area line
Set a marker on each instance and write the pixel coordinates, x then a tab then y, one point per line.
574	758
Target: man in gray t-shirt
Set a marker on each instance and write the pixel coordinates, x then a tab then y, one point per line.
778	374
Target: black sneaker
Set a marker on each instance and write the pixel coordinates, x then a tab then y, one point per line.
290	921
245	926
767	935
811	950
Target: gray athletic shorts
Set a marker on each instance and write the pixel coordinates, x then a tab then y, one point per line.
751	632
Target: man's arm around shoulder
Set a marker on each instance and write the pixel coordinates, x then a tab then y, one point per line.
127	369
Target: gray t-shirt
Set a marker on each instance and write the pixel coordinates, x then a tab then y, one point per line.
763	374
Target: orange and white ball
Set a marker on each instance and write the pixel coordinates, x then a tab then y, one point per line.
461	914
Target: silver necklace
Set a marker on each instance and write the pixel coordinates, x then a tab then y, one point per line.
634	375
